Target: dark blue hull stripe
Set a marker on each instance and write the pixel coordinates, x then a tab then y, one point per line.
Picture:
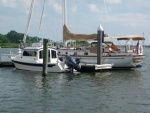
32	64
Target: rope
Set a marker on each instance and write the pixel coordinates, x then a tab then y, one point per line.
41	19
28	22
107	17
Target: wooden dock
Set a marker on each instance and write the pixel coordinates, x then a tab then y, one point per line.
5	60
6	64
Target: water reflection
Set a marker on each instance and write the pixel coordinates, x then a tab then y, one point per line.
45	82
71	76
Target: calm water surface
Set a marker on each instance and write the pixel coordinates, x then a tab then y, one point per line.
118	91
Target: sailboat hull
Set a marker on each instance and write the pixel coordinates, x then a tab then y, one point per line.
118	62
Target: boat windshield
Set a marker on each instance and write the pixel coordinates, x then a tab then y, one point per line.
53	54
29	53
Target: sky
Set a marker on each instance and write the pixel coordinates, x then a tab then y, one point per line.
117	17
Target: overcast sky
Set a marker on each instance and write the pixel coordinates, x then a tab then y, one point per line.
118	17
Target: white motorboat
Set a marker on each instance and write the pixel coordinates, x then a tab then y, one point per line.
31	59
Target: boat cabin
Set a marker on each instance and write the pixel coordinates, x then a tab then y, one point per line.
36	53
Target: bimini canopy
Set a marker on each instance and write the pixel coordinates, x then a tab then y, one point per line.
128	37
133	37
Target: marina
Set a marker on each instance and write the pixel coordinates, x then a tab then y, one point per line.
74	56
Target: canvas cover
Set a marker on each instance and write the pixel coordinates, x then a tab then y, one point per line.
67	35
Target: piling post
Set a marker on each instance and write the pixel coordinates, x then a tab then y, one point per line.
100	36
45	56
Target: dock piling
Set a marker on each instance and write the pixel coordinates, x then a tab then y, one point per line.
100	36
45	56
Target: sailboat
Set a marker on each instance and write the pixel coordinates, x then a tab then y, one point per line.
111	53
127	58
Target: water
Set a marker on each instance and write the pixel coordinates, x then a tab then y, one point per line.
118	91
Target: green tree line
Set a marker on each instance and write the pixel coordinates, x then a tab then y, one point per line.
12	39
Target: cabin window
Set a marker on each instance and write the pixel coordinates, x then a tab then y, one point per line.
53	54
29	53
41	54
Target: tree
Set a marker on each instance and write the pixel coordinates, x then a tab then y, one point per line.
3	39
14	37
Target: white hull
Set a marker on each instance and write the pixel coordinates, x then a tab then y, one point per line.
37	67
118	62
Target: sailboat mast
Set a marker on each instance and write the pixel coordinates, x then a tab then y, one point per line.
65	20
65	13
28	22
